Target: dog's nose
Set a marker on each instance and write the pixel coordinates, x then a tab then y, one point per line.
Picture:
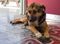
34	12
32	19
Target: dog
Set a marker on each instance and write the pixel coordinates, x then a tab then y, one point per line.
4	2
35	19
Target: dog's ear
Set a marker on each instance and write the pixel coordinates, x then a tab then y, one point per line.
42	7
33	4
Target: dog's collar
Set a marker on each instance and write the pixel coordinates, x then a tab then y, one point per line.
42	18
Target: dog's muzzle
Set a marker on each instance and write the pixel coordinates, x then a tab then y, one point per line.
32	19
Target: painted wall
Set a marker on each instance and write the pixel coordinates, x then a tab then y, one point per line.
52	6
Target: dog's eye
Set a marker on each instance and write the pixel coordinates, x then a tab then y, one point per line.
32	12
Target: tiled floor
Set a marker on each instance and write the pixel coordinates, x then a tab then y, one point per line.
10	34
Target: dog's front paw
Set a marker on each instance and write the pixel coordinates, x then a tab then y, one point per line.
48	40
45	40
13	22
38	35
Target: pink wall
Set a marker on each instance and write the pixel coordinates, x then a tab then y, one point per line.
52	6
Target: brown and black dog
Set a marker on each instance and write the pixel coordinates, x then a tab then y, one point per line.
36	20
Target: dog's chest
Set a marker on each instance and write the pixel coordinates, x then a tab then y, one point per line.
36	23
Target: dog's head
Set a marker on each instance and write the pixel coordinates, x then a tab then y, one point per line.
36	10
